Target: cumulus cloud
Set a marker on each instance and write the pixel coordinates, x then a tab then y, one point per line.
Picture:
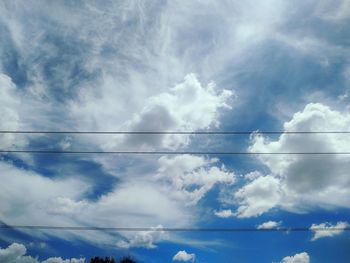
186	107
224	213
327	229
145	239
16	253
190	177
269	225
258	196
297	258
301	182
182	255
60	260
309	173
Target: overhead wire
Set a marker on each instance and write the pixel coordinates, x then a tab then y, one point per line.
172	132
173	229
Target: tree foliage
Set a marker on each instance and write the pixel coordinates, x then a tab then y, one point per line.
111	260
127	260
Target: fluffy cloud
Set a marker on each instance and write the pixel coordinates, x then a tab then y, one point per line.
60	260
300	182
16	253
224	213
144	239
187	107
310	173
269	225
190	177
297	258
258	196
182	255
327	229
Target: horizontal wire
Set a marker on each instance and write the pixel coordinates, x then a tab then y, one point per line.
90	228
171	153
173	132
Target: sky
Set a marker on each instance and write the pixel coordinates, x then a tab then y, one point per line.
176	65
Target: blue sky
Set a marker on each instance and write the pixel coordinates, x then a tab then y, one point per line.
200	65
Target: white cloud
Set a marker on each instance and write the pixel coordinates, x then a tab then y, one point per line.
190	177
269	225
65	143
335	12
9	116
186	107
62	202
182	255
60	260
145	239
16	209
309	172
65	206
297	258
133	204
258	196
16	253
300	182
327	229
252	175
224	213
